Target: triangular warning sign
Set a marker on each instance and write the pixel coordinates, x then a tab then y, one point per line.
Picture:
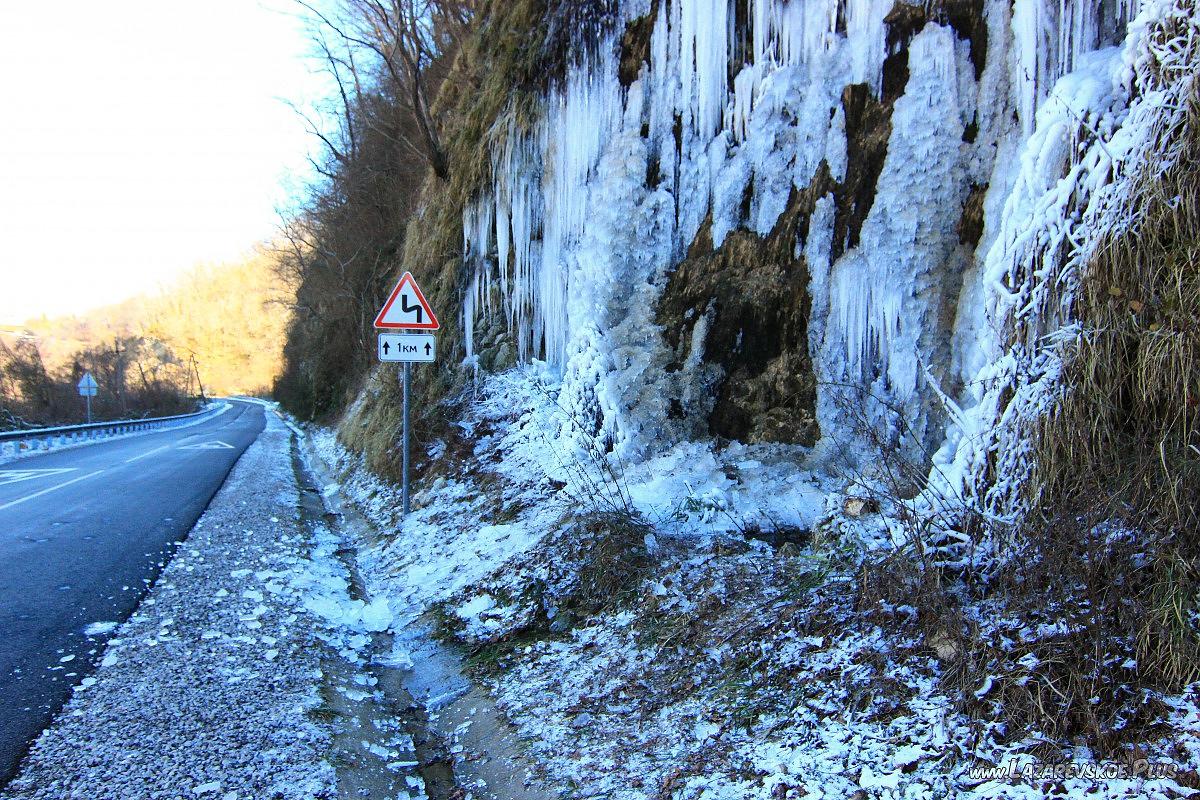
407	309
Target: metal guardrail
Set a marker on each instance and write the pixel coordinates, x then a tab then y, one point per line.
17	442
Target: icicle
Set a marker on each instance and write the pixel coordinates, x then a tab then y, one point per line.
1029	35
864	314
1042	57
579	124
522	237
1078	32
763	25
477	230
866	33
536	211
792	31
789	32
703	60
661	79
737	118
936	47
469	317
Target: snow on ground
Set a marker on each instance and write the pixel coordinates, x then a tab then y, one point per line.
738	668
217	686
446	546
524	478
204	691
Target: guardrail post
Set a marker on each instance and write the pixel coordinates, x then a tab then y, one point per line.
17	442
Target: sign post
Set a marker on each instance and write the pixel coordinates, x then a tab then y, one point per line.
88	388
412	313
406	380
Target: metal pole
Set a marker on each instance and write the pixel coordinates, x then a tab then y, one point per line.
88	397
407	381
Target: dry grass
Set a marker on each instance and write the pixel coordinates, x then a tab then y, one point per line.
1125	441
602	560
1109	567
1050	649
1131	420
1095	607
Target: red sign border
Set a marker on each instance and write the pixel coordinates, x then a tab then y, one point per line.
433	323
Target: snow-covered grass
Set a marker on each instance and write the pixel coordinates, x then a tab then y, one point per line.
741	665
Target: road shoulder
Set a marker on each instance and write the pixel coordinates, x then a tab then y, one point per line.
210	688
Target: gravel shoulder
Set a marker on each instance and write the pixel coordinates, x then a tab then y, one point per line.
211	688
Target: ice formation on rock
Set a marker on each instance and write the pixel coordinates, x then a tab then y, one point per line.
572	243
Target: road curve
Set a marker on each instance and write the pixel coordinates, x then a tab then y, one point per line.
83	533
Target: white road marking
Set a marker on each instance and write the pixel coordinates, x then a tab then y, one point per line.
147	453
215	444
20	500
17	475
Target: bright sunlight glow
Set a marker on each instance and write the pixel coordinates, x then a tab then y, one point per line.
139	138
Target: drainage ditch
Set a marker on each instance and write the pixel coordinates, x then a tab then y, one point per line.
383	744
463	743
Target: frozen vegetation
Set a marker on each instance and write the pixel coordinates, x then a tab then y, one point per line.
672	599
739	665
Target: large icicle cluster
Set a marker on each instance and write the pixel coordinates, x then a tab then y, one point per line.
571	244
1051	37
546	168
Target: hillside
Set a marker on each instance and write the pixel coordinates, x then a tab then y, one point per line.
218	330
231	317
817	401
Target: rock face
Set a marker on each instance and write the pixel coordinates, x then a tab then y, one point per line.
768	221
752	292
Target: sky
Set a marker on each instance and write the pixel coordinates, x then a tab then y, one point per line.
139	138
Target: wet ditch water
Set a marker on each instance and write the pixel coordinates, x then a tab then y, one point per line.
383	745
461	743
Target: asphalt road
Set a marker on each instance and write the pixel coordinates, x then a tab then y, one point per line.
83	534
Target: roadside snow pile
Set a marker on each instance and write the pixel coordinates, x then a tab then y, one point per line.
325	590
481	525
445	546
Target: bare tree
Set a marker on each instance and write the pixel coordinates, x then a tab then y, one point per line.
408	45
381	136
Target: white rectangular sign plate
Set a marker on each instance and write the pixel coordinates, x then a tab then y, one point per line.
411	347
